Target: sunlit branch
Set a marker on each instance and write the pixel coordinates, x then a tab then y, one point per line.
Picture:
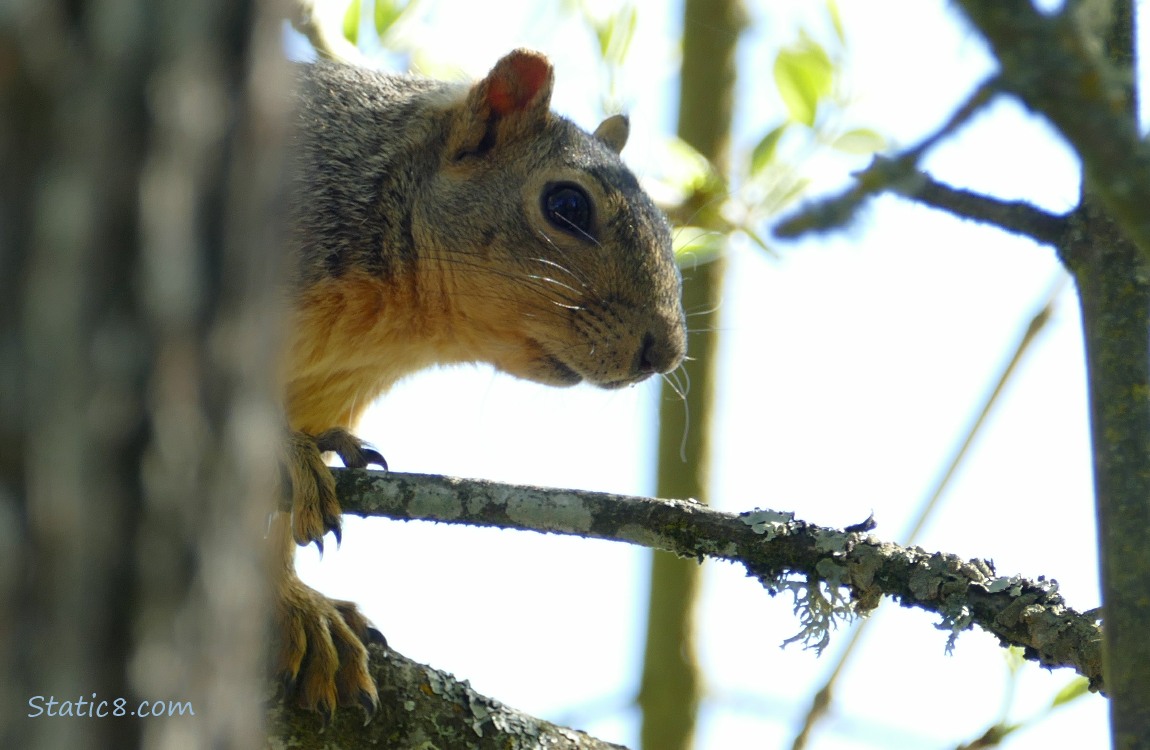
781	551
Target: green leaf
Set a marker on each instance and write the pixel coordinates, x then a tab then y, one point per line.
603	35
757	238
836	20
351	22
615	34
689	171
791	193
624	41
859	141
764	151
387	12
1073	690
803	75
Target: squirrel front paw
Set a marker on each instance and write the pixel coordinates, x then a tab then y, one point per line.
314	506
321	653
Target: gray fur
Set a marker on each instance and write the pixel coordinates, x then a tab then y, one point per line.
377	190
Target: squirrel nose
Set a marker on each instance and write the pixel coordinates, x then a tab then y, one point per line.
658	354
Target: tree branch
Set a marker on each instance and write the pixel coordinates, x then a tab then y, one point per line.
900	175
782	552
1017	217
1055	67
422	707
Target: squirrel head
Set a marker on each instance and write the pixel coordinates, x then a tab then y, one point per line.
555	264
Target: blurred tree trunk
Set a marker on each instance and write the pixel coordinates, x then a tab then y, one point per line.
671	684
137	266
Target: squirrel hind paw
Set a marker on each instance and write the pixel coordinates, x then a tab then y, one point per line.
322	657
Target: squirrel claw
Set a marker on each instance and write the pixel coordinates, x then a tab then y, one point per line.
376	637
370	705
322	658
285	683
354	453
314	505
372	457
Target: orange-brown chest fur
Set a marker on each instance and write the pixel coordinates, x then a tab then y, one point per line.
351	338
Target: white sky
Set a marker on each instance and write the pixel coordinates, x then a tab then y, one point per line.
849	369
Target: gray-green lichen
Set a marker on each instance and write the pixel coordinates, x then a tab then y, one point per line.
439	502
562	511
819	605
830	540
769	523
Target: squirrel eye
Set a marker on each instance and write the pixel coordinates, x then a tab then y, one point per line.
567	207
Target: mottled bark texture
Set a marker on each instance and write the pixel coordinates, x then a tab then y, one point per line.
137	262
784	553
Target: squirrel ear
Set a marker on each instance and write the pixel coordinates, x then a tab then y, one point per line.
514	96
614	131
520	82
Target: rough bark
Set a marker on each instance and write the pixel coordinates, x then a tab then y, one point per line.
1114	290
421	707
784	553
134	413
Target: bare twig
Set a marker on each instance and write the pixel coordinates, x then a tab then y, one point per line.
776	548
824	695
1054	64
900	175
1017	217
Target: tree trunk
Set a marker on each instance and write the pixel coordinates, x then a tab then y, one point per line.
1114	290
137	432
671	684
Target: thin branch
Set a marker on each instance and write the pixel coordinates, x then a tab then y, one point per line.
979	98
1054	64
774	547
824	695
1017	217
900	175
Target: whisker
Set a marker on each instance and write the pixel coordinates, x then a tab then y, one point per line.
674	386
686	424
581	233
588	288
582	282
556	282
709	311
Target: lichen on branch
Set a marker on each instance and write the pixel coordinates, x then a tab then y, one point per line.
782	552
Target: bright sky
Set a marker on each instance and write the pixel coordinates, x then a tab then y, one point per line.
850	367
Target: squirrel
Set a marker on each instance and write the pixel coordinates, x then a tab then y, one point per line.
435	223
